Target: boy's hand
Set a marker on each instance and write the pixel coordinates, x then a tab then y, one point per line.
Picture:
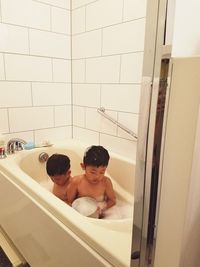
101	208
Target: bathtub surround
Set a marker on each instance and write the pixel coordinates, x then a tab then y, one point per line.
103	52
35	69
107	58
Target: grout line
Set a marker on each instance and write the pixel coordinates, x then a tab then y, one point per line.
8	120
109	26
50	5
71	42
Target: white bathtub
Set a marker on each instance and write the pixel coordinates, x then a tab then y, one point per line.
47	231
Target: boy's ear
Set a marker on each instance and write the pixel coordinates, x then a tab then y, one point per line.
82	166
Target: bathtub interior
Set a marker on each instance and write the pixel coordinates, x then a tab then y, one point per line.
120	172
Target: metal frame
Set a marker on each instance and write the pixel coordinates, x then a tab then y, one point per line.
154	36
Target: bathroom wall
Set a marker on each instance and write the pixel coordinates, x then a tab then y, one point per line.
107	58
35	69
186	29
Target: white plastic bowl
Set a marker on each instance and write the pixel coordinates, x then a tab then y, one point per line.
87	206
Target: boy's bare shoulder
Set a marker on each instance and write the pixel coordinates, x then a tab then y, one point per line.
76	179
107	179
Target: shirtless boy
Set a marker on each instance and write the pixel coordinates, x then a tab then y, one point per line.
58	169
93	183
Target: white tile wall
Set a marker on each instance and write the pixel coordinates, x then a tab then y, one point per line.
46	94
59	3
2	72
124	38
78	73
78	3
134	9
131	68
108	45
87	45
27	68
86	95
63	116
112	97
103	13
106	56
61	20
49	44
61	70
23	119
35	69
4	127
78	20
14	39
15	94
26	13
103	69
85	135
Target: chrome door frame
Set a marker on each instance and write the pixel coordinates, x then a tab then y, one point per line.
153	54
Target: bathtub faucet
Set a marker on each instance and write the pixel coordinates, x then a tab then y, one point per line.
15	144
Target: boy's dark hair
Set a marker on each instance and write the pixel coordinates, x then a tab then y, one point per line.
96	156
57	164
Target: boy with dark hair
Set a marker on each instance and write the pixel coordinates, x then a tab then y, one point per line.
93	183
58	169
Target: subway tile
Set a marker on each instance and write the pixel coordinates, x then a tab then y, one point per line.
58	3
15	94
97	122
78	3
78	73
24	119
51	94
87	136
90	45
134	9
2	71
78	116
14	39
130	121
63	116
27	136
49	44
4	127
61	70
103	70
100	13
53	134
124	38
86	95
121	97
131	68
120	146
78	20
28	68
25	12
61	20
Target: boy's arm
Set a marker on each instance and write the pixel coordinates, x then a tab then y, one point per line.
111	197
72	191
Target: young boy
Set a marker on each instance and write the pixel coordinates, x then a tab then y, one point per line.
93	183
58	168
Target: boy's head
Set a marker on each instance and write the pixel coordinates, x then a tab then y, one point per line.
96	156
95	162
58	168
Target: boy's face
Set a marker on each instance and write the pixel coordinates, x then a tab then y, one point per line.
94	174
61	179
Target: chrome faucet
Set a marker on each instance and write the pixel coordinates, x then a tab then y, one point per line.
15	144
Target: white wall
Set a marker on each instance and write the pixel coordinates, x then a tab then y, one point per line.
186	40
35	69
107	51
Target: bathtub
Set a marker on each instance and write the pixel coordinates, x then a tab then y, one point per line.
46	230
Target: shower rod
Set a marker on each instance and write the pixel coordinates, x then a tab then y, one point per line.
101	110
